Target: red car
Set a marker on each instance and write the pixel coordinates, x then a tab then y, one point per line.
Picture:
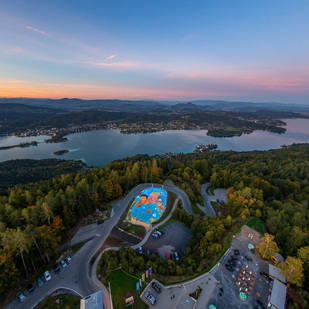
167	255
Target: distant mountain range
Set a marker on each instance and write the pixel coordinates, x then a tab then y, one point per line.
33	116
131	106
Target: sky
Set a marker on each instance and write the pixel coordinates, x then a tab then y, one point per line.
246	50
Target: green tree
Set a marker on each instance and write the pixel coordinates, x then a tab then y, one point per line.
303	254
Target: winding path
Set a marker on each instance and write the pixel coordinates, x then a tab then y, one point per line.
209	211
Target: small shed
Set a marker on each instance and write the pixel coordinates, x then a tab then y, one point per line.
129	301
278	295
277	258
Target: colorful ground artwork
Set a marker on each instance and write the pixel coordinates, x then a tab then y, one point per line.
147	207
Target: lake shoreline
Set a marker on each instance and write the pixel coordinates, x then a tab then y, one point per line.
99	147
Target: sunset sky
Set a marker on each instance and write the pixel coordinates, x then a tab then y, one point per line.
166	50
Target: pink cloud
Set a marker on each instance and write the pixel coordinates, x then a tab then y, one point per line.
18	50
110	57
35	30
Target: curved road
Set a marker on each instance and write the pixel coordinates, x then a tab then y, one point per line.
209	211
76	275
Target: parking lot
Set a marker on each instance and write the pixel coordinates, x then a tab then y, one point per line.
168	243
175	297
246	276
178	296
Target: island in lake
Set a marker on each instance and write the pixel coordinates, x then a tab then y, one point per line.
204	148
61	152
21	145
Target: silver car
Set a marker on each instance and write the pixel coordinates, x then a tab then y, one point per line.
47	276
63	263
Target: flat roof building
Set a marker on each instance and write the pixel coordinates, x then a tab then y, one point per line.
278	295
93	301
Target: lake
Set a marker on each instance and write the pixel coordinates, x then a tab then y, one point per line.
103	146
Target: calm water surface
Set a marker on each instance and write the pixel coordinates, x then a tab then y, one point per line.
103	146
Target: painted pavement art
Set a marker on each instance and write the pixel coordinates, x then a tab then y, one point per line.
147	207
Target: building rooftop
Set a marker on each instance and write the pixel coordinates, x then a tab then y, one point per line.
93	301
278	295
275	273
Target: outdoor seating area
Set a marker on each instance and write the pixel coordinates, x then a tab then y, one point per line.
240	275
245	281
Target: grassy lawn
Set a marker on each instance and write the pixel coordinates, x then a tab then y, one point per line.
66	301
233	129
78	246
196	210
166	223
256	224
137	230
210	190
123	286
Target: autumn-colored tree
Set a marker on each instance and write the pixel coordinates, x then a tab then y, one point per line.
17	241
267	247
303	254
292	270
8	271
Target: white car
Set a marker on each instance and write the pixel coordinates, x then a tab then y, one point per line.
140	250
69	260
47	275
63	263
151	298
154	234
176	256
159	233
21	297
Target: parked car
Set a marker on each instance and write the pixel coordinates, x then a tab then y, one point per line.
39	281
30	288
155	235
56	268
156	287
173	257
151	298
47	276
140	250
176	256
167	255
159	233
68	259
100	222
63	263
21	297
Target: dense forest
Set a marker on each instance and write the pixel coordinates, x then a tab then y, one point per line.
23	171
271	185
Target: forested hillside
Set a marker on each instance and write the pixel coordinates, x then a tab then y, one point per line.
271	185
25	171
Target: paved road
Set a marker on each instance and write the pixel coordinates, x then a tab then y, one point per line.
209	211
76	276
